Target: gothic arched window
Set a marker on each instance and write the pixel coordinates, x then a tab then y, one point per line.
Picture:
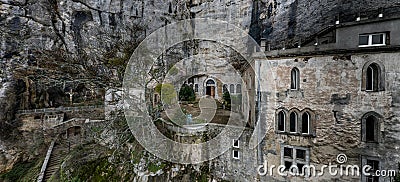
281	121
373	78
305	123
295	79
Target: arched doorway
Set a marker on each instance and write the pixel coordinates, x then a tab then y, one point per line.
210	88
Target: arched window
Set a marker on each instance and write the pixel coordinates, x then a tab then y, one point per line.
295	79
232	88
370	124
370	127
305	123
281	121
293	122
373	77
210	82
238	88
225	88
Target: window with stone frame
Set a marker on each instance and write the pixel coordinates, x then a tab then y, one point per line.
225	88
293	122
235	143
374	167
370	127
373	77
293	156
281	121
238	88
232	88
305	123
295	79
375	164
235	154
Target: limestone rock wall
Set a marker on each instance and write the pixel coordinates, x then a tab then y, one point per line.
51	47
283	23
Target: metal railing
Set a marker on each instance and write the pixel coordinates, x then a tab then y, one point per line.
46	110
46	161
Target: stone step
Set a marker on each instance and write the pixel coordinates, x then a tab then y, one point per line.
54	162
52	171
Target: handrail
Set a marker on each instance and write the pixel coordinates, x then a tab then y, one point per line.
46	161
79	108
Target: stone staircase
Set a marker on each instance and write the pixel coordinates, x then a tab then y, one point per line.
59	151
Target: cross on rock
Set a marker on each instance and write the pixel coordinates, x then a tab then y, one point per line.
70	95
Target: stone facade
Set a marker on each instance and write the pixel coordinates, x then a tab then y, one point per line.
341	96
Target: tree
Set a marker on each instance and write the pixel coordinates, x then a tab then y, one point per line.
227	99
187	93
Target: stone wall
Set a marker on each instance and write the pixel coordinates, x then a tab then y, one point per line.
225	166
330	87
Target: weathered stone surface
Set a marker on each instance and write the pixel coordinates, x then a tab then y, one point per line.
76	41
333	92
286	22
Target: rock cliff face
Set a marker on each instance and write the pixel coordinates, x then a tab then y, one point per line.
286	23
52	48
87	34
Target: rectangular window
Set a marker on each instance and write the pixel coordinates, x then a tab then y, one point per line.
363	40
378	39
236	143
288	152
300	167
235	154
232	89
288	164
196	87
295	156
301	154
374	163
374	167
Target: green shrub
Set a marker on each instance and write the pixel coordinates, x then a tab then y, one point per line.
227	100
187	93
154	167
97	170
18	171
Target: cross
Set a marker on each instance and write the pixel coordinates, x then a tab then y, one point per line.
70	95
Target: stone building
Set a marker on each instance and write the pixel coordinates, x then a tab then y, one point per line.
204	85
52	119
334	97
207	75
